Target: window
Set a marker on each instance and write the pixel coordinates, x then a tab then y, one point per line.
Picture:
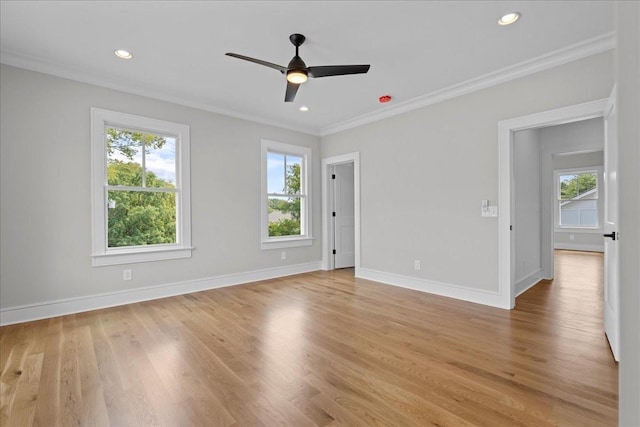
286	199
577	199
140	189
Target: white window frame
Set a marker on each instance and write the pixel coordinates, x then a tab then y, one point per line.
598	171
306	237
102	255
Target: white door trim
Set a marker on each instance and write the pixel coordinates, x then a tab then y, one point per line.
327	259
573	113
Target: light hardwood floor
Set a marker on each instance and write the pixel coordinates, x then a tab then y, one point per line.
320	349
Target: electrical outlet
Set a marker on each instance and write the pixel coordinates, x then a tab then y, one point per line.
416	264
126	275
283	255
572	237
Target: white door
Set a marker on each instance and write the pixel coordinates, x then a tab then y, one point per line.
611	283
343	211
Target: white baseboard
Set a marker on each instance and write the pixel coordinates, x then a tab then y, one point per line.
579	247
527	282
62	307
477	296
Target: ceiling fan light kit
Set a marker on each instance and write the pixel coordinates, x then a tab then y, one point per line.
297	76
297	71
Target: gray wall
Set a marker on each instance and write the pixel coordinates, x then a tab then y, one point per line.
527	209
627	61
579	160
421	198
45	216
555	143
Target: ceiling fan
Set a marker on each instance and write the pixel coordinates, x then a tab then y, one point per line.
297	71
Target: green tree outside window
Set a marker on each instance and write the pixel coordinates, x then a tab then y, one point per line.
290	207
137	216
572	186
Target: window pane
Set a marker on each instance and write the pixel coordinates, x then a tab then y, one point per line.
124	157
292	178
160	163
141	218
587	186
568	217
128	165
284	216
579	213
589	218
567	187
275	173
578	186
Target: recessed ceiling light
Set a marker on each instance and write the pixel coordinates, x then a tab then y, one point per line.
509	18
123	54
304	108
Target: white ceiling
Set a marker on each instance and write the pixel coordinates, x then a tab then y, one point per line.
415	49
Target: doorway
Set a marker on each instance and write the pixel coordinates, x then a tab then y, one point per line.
506	247
557	196
341	212
342	215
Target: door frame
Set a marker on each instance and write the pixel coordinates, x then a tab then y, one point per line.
327	163
506	128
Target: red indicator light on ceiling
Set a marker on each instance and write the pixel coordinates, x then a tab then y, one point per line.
384	98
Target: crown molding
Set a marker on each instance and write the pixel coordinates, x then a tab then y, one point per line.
544	62
86	76
550	60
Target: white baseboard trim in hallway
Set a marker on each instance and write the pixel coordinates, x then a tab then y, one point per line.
579	247
528	282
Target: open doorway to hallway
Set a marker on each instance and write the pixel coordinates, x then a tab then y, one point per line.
507	131
559	203
558	198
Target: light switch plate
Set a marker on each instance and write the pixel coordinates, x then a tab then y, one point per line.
491	211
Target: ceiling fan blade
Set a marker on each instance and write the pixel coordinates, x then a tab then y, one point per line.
290	94
259	61
337	70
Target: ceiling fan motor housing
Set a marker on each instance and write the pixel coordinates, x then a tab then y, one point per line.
298	67
297	39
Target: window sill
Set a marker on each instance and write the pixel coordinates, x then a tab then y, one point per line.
130	256
290	242
590	230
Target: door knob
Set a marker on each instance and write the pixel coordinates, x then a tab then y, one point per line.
612	235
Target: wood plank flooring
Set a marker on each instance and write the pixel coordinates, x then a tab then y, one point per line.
320	349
